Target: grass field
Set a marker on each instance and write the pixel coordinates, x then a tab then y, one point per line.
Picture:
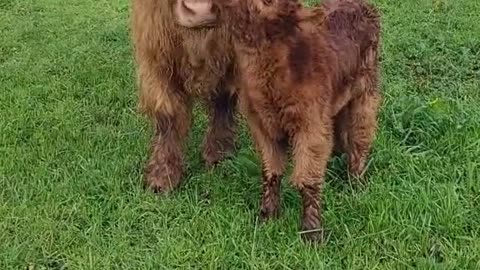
72	150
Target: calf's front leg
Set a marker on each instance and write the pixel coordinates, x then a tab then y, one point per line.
273	155
312	149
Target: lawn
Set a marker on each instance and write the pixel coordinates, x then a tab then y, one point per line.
73	146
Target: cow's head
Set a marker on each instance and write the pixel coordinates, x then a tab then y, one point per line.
195	13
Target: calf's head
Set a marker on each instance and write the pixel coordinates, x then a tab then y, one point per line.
255	21
259	9
195	13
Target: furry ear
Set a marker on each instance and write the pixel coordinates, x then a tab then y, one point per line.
289	7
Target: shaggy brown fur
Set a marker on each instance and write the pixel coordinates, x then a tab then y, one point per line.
180	54
307	76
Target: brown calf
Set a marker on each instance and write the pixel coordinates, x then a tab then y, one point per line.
309	81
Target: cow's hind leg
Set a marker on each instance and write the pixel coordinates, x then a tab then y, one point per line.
219	141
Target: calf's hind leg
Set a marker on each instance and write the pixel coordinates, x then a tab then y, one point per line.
362	116
356	123
362	125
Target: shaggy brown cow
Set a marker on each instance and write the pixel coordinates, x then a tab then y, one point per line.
181	53
307	76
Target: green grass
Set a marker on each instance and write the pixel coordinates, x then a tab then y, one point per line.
72	149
